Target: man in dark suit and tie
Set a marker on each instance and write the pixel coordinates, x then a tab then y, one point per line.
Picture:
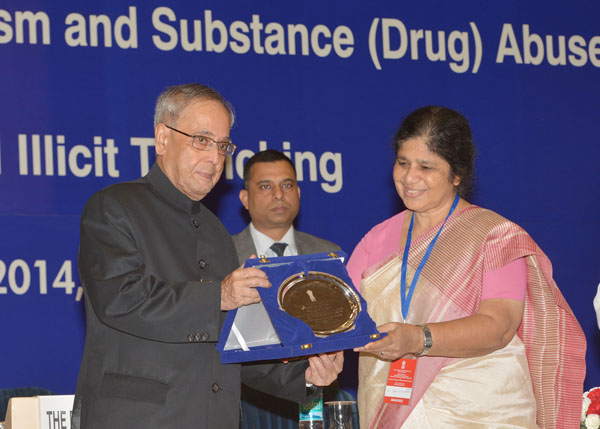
272	197
159	272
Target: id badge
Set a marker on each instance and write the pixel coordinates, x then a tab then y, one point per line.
400	381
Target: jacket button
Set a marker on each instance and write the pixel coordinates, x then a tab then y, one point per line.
204	336
202	263
195	223
191	338
215	387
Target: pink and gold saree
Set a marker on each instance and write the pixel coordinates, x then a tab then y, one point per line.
536	380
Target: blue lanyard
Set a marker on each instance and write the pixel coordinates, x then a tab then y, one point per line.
404	298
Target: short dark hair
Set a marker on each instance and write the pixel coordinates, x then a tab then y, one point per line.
173	100
269	155
448	135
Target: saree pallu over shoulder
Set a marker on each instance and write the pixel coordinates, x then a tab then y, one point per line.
475	241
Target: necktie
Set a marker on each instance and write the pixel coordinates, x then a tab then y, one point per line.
278	248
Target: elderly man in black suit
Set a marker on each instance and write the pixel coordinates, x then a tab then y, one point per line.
159	272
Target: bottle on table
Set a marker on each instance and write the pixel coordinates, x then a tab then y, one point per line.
311	413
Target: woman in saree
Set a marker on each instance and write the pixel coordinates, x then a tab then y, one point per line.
464	293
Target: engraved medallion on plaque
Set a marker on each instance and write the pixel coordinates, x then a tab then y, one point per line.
324	302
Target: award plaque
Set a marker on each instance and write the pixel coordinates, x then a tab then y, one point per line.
324	302
311	308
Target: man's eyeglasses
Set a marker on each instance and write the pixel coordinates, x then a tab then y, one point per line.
200	142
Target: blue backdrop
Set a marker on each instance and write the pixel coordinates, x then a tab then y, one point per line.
327	82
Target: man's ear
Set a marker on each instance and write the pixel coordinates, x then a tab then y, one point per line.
244	198
298	187
160	138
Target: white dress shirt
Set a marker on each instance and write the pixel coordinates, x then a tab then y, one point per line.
263	242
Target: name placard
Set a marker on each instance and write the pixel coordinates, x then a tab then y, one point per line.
55	411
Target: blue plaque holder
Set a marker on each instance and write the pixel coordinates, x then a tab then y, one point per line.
264	331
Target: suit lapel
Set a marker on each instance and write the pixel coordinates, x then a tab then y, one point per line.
300	247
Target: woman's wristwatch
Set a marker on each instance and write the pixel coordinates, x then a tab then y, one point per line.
427	340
